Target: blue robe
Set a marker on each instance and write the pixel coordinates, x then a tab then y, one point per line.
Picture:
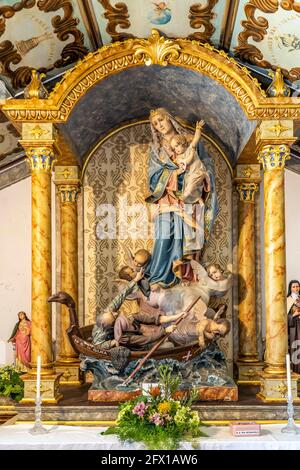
175	235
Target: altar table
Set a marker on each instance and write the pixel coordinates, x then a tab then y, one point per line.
89	438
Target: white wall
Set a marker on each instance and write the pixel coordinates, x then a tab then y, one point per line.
292	209
15	257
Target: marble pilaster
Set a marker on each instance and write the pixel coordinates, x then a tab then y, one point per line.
273	150
247	184
66	180
41	153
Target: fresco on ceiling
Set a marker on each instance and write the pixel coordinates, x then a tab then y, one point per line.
9	136
160	13
185	18
40	35
268	35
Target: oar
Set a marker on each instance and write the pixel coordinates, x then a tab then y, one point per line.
159	343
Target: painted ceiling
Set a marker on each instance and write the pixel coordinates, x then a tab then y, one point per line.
52	35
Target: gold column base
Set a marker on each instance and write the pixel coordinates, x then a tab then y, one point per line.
274	389
249	372
50	393
70	373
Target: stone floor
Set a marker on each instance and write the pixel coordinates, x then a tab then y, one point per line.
76	409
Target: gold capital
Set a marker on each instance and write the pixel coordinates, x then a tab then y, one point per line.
41	158
247	191
273	157
68	192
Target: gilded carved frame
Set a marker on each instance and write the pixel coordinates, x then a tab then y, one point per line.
115	58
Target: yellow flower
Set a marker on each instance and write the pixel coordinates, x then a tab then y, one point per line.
164	407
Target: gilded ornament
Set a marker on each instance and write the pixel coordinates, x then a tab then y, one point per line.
250	372
68	192
65	173
273	157
248	172
278	129
280	388
247	191
37	132
67	374
41	158
157	49
35	89
278	87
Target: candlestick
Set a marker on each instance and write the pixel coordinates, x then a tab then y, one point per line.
288	376
38	428
291	427
38	379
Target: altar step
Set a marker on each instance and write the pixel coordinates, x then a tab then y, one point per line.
76	409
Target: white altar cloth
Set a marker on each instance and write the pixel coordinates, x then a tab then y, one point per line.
89	438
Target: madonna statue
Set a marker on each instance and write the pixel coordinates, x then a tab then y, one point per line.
181	228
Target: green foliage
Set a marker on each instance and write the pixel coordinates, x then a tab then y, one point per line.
11	384
160	419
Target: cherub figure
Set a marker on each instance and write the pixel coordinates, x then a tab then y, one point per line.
196	179
135	263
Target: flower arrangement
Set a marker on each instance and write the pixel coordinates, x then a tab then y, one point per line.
161	417
11	384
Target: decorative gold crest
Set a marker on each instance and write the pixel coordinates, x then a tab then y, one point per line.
157	49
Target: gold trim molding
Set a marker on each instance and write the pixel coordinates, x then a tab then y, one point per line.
120	56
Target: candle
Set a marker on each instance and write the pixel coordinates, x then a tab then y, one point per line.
38	379
288	375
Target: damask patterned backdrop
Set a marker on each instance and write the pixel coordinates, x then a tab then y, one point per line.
116	179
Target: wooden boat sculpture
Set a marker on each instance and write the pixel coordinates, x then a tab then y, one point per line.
81	338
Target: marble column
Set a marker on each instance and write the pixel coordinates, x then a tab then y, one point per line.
66	179
41	155
273	151
248	362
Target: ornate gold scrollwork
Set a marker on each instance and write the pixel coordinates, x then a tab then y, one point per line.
201	16
256	28
116	15
157	49
63	27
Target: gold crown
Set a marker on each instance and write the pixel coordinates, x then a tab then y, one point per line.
155	112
